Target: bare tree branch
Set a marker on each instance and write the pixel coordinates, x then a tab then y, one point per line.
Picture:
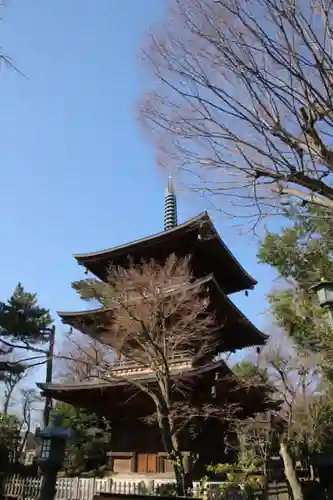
159	330
242	102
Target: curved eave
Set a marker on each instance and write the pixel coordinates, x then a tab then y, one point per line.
93	260
85	258
217	366
74	318
261	336
121	399
82	386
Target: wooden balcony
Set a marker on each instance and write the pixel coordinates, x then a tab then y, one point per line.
177	360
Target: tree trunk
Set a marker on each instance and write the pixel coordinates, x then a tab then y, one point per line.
290	472
8	395
6	402
23	443
167	428
174	454
5	406
178	465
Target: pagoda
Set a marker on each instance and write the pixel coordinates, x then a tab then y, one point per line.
136	446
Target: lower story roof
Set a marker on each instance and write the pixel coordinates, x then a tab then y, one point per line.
119	399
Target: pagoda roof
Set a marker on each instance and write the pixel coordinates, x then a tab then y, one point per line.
117	397
220	366
236	332
197	237
122	399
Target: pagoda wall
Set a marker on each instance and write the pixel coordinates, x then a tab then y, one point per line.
129	435
138	448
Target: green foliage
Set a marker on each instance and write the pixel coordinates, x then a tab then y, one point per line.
166	490
303	251
301	255
297	312
22	319
9	431
246	369
254	443
243	475
257	376
91	289
87	451
316	415
9	441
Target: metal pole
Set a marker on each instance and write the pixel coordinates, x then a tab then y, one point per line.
48	378
49	483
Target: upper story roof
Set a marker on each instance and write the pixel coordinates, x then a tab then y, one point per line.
197	237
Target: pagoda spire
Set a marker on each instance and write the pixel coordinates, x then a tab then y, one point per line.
170	205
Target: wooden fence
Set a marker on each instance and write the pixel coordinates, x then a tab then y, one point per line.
79	488
28	488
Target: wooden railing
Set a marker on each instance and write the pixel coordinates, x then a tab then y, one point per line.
176	357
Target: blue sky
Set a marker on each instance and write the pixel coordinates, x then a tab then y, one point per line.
77	175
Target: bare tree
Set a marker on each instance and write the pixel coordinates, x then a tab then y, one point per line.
152	314
11	381
242	102
304	421
79	357
30	404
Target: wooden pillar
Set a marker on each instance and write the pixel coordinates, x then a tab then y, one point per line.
186	464
134	462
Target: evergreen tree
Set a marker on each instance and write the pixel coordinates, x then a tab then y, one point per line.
301	255
22	319
9	444
24	325
87	450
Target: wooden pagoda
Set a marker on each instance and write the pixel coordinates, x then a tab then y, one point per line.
137	446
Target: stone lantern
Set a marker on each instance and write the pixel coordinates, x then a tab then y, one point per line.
324	291
52	452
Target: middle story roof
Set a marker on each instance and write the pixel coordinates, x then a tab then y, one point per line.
235	330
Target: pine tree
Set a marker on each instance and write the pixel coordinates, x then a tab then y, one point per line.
22	319
24	325
301	254
87	450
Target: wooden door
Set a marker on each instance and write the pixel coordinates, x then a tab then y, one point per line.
151	463
147	463
142	463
